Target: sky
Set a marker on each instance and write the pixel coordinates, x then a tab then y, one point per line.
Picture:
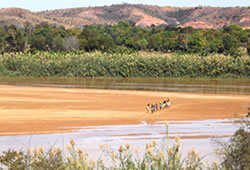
40	5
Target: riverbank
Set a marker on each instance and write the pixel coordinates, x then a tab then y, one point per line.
35	110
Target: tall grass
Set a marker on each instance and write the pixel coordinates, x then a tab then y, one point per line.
97	64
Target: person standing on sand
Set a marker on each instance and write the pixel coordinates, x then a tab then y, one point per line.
148	108
168	102
160	105
152	108
164	104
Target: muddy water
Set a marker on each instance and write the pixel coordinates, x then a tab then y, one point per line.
236	86
198	134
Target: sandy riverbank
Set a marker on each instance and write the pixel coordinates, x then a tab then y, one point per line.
32	110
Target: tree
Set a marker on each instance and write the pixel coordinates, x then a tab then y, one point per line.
196	42
39	40
89	38
141	44
15	39
237	32
71	43
39	43
215	46
231	45
106	43
48	38
214	42
155	42
170	44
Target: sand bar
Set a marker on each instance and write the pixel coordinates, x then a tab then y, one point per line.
34	110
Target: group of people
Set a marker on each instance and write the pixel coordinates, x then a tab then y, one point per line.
155	107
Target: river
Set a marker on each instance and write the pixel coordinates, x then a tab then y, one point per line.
235	86
138	135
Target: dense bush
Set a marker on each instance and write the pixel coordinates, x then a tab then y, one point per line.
97	64
236	153
110	38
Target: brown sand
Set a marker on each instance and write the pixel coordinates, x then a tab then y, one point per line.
30	110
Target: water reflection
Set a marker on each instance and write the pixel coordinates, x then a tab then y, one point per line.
236	86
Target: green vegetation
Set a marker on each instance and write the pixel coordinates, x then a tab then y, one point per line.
124	37
123	50
98	64
235	155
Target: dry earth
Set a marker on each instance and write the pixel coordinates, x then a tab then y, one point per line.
30	110
141	15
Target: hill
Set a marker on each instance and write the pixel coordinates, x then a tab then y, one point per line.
141	15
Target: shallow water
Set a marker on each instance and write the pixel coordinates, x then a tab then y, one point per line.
88	138
236	86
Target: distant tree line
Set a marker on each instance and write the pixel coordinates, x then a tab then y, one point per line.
124	37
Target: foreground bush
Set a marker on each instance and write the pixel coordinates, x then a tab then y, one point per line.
97	64
236	153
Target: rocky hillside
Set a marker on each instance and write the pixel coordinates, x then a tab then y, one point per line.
141	15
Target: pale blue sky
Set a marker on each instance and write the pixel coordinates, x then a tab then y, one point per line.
39	5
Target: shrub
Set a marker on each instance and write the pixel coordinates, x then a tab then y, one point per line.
97	64
236	153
